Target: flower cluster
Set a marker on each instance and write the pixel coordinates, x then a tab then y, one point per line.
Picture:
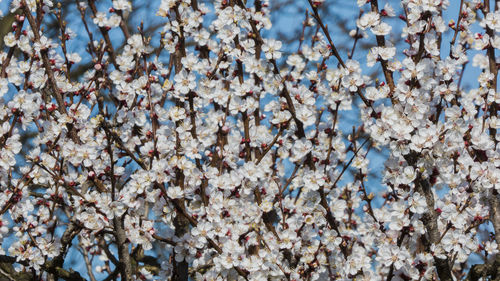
211	154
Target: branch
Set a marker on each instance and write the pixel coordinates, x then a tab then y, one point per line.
334	50
45	58
381	43
430	219
105	34
49	267
55	265
479	271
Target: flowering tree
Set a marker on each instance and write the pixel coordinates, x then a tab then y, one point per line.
193	155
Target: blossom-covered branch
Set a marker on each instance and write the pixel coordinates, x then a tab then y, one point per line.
212	151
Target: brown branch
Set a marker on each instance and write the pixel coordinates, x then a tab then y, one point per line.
45	58
105	34
182	211
479	271
334	49
6	62
430	219
381	43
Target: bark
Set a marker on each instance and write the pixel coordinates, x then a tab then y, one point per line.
430	220
123	254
